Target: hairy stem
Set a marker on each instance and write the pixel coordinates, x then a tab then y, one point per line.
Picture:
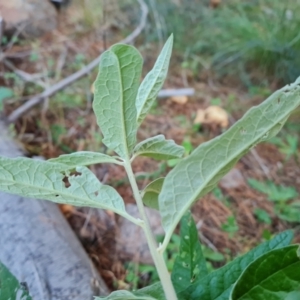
157	256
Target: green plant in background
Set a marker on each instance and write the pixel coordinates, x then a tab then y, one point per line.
217	192
238	36
230	226
4	94
120	105
262	216
288	145
283	197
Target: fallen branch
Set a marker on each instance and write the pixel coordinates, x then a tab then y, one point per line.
176	92
74	77
25	76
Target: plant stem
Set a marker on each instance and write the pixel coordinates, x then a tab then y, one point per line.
156	256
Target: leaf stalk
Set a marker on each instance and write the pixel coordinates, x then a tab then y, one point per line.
157	256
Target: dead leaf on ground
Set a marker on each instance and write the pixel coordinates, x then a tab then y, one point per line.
180	99
212	115
66	209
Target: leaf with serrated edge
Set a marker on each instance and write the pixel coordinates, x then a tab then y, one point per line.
83	158
158	147
190	264
153	82
199	173
272	276
116	88
44	180
218	284
151	192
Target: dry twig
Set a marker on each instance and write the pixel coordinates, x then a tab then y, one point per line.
25	76
74	77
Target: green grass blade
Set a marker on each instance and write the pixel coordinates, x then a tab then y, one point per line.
116	88
199	173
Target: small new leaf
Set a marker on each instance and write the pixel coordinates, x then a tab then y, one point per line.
274	275
83	158
199	173
153	82
114	100
159	148
151	192
218	284
49	181
190	264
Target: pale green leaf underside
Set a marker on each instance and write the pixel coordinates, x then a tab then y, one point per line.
218	284
83	158
158	147
114	100
197	174
125	295
44	180
273	276
151	192
153	82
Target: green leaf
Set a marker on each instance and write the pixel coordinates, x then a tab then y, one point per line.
199	173
49	181
114	101
4	94
153	82
83	158
10	288
274	192
273	276
152	292
151	192
218	284
190	264
158	147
